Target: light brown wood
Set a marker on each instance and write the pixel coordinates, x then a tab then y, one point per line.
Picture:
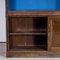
32	13
26	54
55	46
55	49
49	33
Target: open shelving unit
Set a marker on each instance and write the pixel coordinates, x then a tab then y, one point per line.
27	33
30	32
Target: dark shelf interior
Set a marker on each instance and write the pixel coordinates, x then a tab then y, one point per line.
28	25
29	48
39	42
28	33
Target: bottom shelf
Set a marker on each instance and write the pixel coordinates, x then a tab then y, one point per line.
29	48
31	54
27	51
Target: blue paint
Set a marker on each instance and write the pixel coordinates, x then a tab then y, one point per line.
57	4
34	4
11	4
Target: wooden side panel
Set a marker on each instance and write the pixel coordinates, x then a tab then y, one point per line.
7	26
56	33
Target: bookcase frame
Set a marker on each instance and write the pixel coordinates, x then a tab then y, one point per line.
51	15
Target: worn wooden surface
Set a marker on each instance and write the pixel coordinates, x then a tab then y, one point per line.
55	46
17	54
32	13
38	54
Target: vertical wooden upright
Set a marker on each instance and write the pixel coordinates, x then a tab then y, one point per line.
49	33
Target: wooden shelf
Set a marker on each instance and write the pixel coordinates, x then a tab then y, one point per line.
32	13
29	48
27	33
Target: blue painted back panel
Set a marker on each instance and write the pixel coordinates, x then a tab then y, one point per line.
34	4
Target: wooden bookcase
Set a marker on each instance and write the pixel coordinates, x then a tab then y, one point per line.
32	33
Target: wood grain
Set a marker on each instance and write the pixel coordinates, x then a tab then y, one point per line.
32	13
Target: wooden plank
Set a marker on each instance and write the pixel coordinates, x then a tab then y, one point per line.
32	13
26	54
9	44
55	45
55	49
49	33
27	33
